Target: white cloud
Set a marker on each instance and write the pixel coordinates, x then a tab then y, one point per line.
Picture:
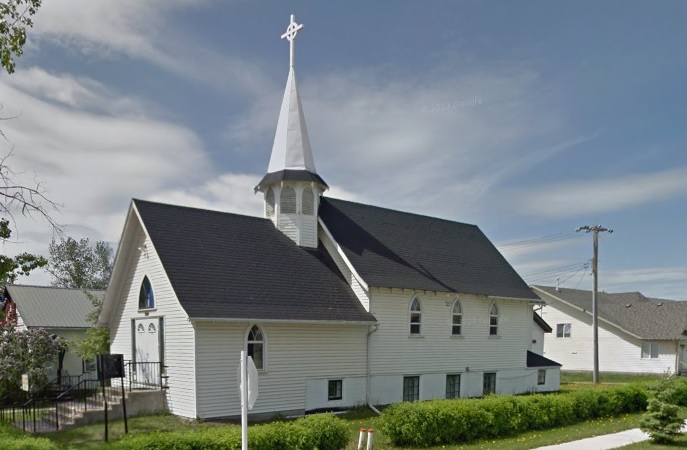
143	30
578	198
93	160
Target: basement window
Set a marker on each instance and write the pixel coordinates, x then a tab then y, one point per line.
335	390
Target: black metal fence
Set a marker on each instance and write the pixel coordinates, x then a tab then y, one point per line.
59	402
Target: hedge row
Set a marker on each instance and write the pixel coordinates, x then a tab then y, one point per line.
437	422
321	431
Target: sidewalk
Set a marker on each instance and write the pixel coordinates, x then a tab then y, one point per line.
605	441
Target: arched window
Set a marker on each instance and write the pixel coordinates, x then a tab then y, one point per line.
308	202
151	328
140	328
415	316
493	320
146	299
456	318
288	200
269	203
255	346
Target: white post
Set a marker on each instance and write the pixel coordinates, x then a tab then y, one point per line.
361	439
369	438
244	401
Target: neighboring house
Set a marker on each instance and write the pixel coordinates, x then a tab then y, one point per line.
60	311
338	303
637	334
539	329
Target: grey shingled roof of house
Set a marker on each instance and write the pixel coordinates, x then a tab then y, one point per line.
646	318
52	307
230	266
396	249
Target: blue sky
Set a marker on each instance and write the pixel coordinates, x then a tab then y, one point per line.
528	119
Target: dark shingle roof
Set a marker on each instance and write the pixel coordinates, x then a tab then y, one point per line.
633	312
53	307
231	266
542	323
289	175
534	360
397	249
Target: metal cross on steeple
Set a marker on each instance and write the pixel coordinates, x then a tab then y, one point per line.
290	35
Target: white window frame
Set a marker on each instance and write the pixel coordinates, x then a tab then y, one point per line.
561	330
263	342
457	315
412	314
494	324
484	382
416	388
339	383
541	377
456	392
650	350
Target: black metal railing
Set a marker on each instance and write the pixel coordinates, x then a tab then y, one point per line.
145	375
58	402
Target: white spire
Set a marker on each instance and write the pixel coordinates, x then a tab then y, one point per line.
291	149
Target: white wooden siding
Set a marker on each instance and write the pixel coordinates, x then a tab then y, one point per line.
360	292
297	355
72	363
537	342
436	353
618	351
288	224
178	332
394	351
309	231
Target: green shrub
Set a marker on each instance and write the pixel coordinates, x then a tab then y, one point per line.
440	422
661	421
321	431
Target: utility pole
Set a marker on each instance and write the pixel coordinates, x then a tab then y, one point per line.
595	272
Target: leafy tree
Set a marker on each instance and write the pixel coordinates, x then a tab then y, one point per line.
22	264
27	351
77	264
15	18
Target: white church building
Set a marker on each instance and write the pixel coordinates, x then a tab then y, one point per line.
338	303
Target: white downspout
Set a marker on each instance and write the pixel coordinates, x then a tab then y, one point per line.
373	329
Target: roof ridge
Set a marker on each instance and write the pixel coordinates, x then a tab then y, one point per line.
425	216
214	211
53	287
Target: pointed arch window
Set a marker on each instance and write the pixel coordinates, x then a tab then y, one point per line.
308	202
456	319
415	316
255	346
288	200
146	298
269	203
493	320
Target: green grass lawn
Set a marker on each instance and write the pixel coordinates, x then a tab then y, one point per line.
586	377
91	437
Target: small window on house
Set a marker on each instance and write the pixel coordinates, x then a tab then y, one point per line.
151	328
489	383
255	346
415	317
649	350
411	389
335	390
563	330
493	320
541	376
452	386
288	201
140	328
146	299
456	319
269	203
88	365
308	202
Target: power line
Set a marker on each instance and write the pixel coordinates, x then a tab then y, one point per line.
537	241
558	270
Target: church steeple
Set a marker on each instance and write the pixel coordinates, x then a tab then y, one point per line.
292	186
